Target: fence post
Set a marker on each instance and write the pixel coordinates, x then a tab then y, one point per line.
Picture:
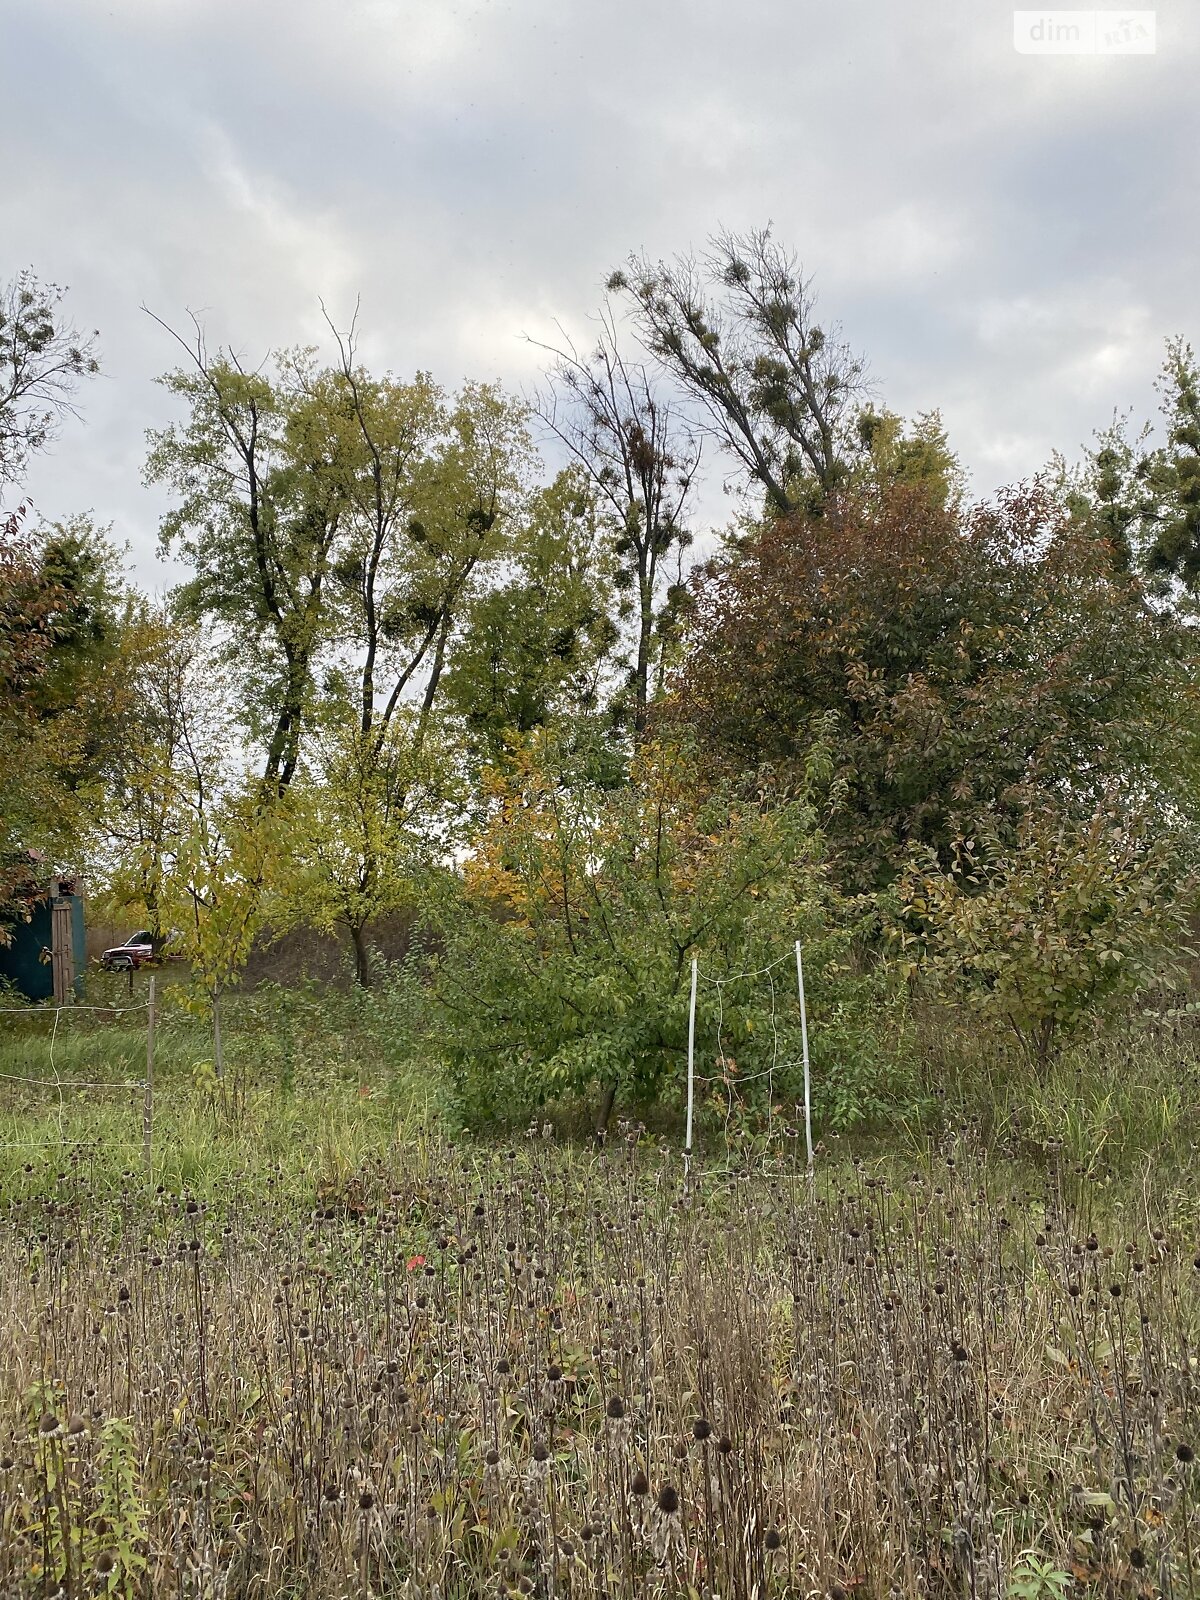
804	1041
687	1142
218	1043
148	1093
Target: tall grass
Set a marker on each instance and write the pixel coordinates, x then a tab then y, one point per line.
551	1372
1108	1101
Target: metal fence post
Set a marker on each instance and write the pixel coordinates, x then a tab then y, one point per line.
148	1095
808	1142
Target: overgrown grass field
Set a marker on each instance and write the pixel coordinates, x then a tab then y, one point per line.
322	1350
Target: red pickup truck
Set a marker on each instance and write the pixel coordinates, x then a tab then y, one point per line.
137	951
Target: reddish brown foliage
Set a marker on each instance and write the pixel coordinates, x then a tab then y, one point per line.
953	660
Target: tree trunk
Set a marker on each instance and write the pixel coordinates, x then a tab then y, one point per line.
218	1047
607	1102
362	957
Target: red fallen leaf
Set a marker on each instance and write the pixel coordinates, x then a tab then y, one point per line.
414	1262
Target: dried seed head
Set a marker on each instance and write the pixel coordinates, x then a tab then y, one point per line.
772	1539
640	1485
668	1500
366	1500
1185	1454
615	1408
701	1429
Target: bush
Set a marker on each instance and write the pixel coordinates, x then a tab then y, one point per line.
1058	927
567	954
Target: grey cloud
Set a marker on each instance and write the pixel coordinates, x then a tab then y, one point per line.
1008	238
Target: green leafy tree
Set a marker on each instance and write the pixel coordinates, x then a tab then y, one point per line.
71	638
258	477
1042	931
57	605
435	491
623	432
182	755
538	646
1175	470
434	495
369	822
223	874
896	453
1137	490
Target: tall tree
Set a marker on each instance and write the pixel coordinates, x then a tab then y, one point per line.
43	356
369	820
539	645
737	330
1175	470
261	490
1138	490
179	760
958	661
433	490
621	428
71	636
896	452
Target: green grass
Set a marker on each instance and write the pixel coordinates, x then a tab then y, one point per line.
320	1084
1109	1101
309	1096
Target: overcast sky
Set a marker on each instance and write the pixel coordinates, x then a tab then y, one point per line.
1008	238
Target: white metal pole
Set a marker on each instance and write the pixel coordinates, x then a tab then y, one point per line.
148	1088
687	1142
804	1041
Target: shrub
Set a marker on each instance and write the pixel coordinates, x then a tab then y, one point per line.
1061	924
566	960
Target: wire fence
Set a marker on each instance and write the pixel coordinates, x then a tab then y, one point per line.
731	1081
64	1086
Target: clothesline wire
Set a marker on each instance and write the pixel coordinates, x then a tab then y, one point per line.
73	1083
737	977
735	1080
45	1011
55	1144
